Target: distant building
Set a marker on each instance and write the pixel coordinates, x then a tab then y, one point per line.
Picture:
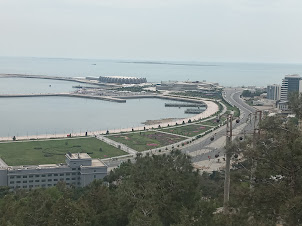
177	86
291	83
186	86
273	92
122	80
80	170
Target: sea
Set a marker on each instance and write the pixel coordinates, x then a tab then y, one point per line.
58	115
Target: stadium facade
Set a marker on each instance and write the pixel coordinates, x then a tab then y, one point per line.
122	80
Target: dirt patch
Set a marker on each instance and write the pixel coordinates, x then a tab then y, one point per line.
160	121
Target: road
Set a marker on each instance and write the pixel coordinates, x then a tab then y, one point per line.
206	151
203	152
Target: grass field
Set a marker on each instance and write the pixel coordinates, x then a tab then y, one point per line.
146	140
231	108
211	122
189	130
53	151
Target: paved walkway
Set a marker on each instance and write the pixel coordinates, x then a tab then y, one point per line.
121	146
173	134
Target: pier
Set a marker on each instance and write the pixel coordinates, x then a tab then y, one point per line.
184	105
194	111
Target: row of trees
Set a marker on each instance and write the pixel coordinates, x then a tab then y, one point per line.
248	93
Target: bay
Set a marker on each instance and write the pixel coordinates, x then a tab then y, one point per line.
64	115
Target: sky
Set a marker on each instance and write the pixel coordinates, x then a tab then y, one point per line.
184	30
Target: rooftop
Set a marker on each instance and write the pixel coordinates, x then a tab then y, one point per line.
78	156
45	166
292	76
121	77
95	163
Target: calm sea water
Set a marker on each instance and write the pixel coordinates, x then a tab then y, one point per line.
60	115
54	115
227	74
30	86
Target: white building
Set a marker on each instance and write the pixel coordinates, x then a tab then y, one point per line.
273	92
79	170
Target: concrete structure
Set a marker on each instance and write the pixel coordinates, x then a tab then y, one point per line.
122	80
79	170
273	92
282	105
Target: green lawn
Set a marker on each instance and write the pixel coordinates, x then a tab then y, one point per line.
188	130
53	151
211	122
146	140
231	108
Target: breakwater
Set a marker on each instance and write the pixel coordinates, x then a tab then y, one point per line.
68	79
107	98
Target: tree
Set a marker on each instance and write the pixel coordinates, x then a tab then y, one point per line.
271	193
295	104
156	189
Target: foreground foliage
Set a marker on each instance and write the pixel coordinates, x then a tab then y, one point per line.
156	190
267	184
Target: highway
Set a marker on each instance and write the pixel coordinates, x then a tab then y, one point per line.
205	150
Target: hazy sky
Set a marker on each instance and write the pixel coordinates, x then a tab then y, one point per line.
194	30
